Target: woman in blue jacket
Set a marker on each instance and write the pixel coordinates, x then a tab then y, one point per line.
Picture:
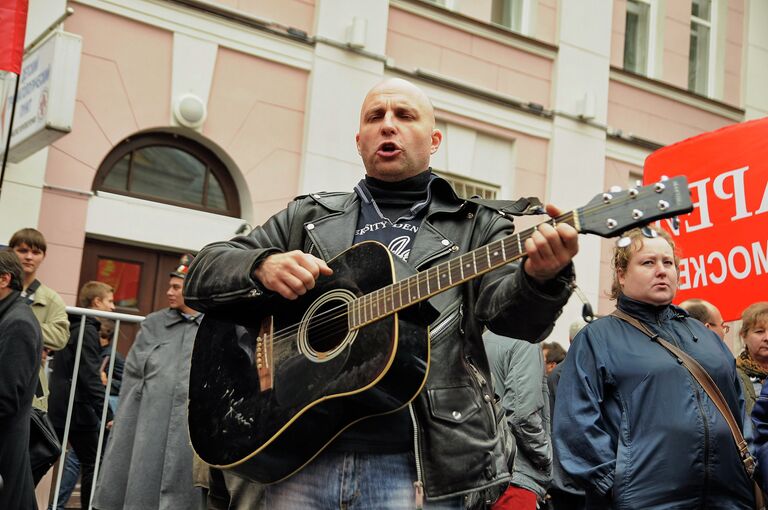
632	425
754	330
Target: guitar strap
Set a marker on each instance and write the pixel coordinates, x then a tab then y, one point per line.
521	207
708	385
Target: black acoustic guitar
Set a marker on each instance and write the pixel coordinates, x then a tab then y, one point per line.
266	398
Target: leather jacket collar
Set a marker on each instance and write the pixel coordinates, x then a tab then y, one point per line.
334	233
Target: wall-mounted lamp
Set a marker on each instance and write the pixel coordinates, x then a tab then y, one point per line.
189	110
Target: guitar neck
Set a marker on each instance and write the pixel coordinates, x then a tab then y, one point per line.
425	284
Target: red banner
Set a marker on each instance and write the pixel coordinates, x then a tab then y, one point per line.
13	25
723	243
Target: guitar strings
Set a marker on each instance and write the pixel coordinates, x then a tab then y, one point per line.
324	323
329	324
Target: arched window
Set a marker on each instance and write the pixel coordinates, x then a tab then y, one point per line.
169	168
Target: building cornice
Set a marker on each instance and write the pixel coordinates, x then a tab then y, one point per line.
677	94
221	25
477	27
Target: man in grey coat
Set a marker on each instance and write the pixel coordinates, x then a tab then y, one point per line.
148	461
519	379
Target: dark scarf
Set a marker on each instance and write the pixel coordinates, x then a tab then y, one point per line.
750	366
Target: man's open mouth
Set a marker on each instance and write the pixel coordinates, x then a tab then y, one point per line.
388	149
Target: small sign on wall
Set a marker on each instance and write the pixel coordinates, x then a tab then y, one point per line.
723	243
47	91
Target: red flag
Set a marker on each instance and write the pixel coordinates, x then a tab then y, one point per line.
723	242
13	25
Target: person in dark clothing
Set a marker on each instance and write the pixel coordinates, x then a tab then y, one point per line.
89	392
563	493
21	347
106	333
72	463
554	354
445	444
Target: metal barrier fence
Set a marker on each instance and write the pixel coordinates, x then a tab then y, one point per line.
83	313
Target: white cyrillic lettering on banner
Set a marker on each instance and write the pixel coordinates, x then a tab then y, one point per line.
702	205
683	276
761	257
737	179
739	275
723	273
698	271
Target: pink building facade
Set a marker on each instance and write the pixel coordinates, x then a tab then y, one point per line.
559	100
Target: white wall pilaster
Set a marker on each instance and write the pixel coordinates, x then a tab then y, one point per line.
194	61
755	74
577	150
338	83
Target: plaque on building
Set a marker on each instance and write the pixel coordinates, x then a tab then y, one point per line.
47	91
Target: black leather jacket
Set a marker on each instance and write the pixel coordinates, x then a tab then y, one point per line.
457	442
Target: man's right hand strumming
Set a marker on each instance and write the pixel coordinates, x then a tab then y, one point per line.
291	274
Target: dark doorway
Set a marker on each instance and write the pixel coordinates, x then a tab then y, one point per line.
138	275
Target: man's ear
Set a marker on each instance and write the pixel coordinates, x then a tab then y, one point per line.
437	137
5	280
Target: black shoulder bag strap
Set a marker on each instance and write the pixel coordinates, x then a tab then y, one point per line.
705	381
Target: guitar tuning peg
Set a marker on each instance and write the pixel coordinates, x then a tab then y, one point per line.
623	242
615	189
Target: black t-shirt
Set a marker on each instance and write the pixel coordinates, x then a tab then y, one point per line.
391	213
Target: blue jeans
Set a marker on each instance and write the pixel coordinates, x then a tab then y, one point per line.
69	477
353	481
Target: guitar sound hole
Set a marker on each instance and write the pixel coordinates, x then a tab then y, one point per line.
327	327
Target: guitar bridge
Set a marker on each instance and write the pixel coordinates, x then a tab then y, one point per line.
264	359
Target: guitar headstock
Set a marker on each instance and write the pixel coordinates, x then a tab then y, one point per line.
614	212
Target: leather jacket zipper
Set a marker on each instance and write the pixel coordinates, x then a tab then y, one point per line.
443	324
418	484
484	388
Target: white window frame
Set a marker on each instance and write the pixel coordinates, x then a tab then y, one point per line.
467	187
653	37
526	18
712	56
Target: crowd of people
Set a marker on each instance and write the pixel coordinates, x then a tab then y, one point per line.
502	421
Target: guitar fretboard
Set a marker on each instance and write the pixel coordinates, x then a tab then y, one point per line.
425	284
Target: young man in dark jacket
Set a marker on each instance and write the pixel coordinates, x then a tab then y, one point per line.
21	346
444	444
89	391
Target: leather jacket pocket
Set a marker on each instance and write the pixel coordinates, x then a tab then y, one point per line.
454	404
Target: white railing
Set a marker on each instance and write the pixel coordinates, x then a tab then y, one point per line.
118	318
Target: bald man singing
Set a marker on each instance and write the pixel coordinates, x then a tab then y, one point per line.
445	445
